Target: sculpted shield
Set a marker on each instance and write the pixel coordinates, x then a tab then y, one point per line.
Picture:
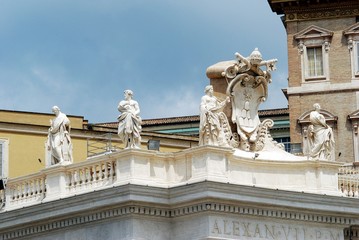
248	88
247	93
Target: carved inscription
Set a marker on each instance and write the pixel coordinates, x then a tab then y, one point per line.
247	229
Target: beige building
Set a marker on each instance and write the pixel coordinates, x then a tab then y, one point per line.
23	136
22	141
323	67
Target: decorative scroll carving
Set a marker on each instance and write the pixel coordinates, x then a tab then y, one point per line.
248	88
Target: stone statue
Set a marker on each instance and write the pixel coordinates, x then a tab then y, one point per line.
248	88
129	127
321	136
58	140
213	122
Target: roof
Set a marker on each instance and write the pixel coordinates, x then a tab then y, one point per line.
190	119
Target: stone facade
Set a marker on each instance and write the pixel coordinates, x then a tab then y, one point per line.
337	91
206	210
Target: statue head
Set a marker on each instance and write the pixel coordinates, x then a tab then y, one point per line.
316	106
256	57
55	110
128	93
207	88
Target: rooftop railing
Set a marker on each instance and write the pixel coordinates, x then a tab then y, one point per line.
348	180
153	168
102	144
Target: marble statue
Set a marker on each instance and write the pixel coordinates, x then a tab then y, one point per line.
321	138
58	140
213	122
129	127
248	88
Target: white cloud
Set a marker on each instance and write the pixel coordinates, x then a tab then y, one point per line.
175	102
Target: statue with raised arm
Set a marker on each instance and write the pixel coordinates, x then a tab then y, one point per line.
58	140
321	136
214	127
129	127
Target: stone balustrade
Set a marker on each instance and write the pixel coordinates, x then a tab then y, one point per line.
90	175
167	170
348	181
25	191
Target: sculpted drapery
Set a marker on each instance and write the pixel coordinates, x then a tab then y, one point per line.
129	127
321	136
58	140
211	130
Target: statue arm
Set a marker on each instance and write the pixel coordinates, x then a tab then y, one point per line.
136	110
223	103
56	125
67	124
122	106
322	121
219	105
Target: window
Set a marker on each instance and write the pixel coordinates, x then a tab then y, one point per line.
354	118
4	158
315	62
357	59
285	141
352	34
1	157
313	46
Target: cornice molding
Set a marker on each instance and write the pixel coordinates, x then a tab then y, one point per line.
301	14
137	210
133	201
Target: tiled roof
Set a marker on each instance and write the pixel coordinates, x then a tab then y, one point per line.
187	119
271	112
156	121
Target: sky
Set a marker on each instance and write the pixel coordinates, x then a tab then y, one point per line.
82	54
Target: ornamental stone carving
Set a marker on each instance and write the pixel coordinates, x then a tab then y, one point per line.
248	87
245	82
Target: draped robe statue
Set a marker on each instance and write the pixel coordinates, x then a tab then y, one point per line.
58	140
129	127
321	136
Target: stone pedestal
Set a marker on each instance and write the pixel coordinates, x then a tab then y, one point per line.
56	182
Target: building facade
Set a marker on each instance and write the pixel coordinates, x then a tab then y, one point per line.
23	136
323	67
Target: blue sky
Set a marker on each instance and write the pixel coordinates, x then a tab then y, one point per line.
81	55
